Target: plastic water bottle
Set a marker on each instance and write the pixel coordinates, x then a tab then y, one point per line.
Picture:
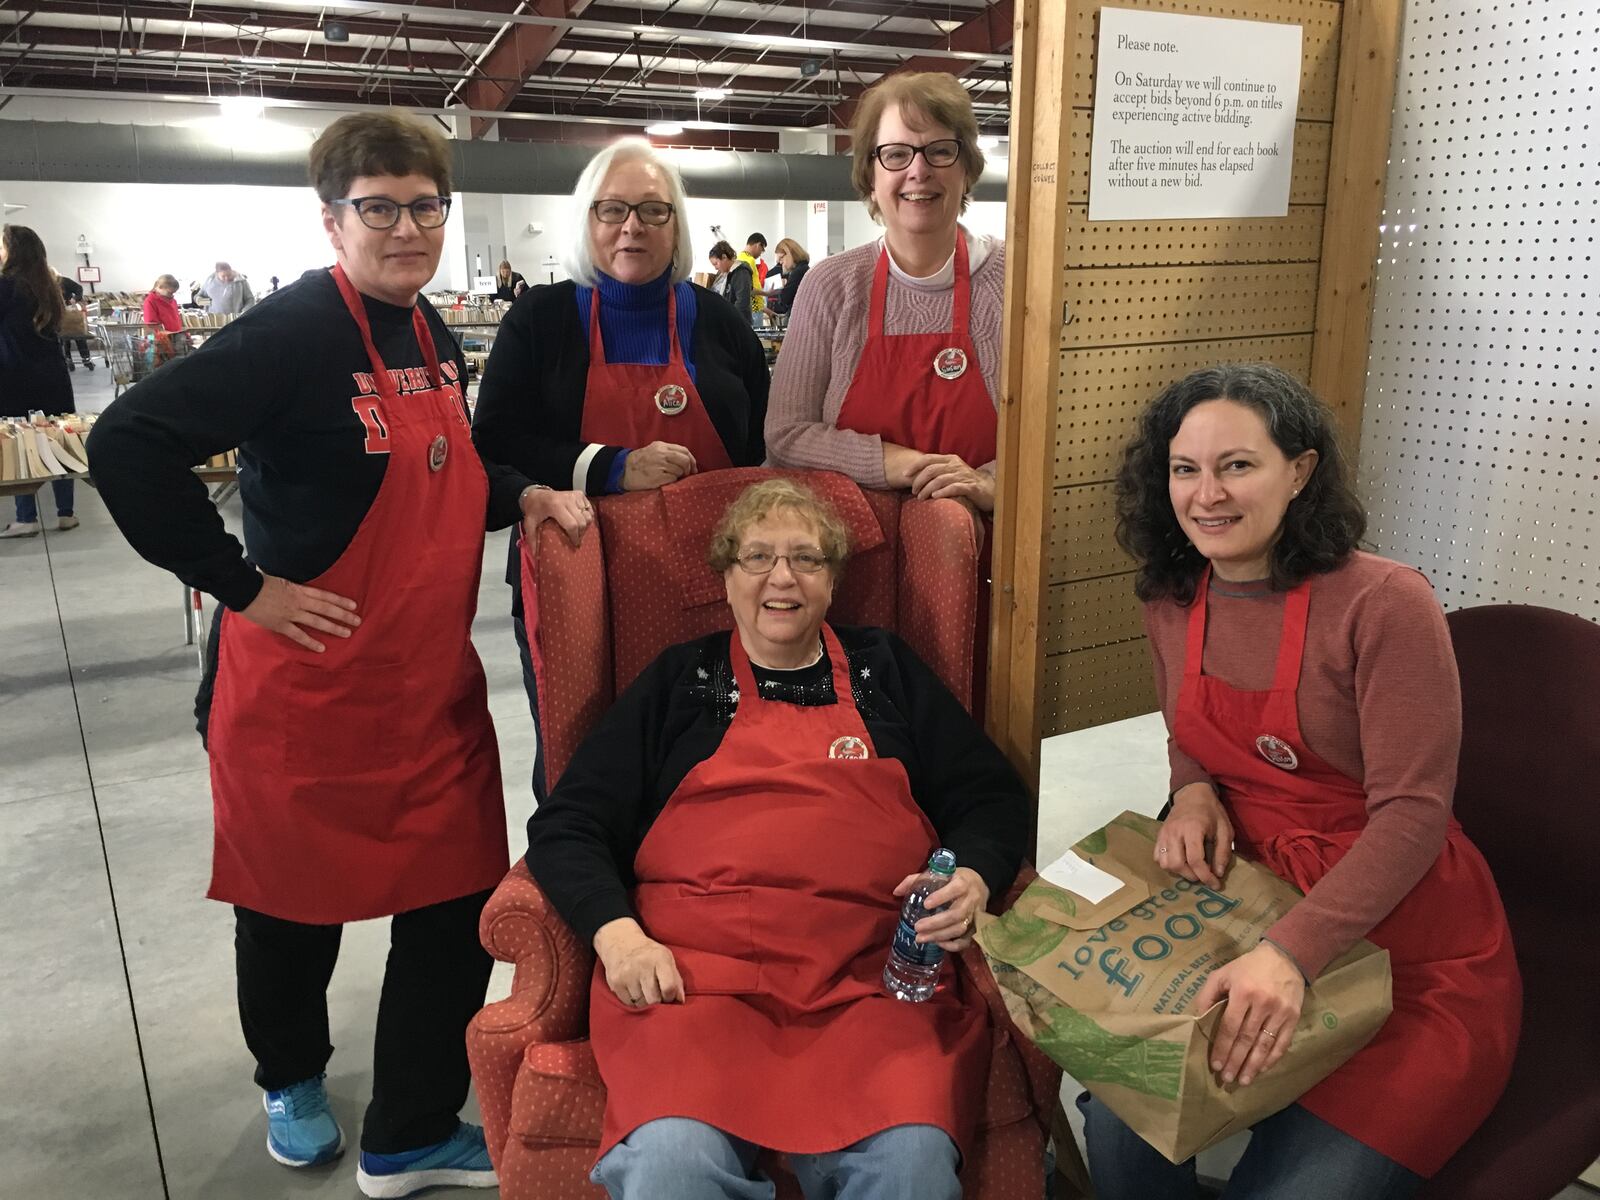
912	971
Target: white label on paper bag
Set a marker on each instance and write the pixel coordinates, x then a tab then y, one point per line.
1081	878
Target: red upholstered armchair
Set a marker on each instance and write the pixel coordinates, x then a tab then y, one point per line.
638	584
1530	753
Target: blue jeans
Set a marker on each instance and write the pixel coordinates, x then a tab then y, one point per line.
28	505
1292	1155
675	1158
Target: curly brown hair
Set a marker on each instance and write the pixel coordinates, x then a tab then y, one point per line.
758	502
1321	527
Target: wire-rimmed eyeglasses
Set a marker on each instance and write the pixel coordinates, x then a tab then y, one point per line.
801	562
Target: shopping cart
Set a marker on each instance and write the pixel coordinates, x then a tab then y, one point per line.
137	350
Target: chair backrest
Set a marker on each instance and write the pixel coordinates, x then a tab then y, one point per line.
640	583
1530	750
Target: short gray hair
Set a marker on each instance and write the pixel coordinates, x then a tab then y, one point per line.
578	258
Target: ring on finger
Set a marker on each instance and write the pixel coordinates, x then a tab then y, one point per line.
1269	1035
1160	851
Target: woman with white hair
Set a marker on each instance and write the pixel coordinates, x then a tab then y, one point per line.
627	376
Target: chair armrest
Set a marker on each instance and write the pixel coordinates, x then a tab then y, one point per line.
551	984
549	999
938	591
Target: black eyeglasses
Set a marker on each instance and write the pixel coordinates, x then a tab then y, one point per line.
897	156
380	212
615	212
801	562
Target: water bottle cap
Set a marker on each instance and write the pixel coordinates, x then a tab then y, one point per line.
942	862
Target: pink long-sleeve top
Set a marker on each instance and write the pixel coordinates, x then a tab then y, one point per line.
1379	700
827	331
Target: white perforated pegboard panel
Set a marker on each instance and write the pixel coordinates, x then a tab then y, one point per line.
1480	445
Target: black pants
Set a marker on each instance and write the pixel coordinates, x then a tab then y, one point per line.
435	981
525	655
83	349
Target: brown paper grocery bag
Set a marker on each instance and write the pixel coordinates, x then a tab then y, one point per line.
74	322
1106	989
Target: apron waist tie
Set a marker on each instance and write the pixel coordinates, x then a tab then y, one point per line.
1304	856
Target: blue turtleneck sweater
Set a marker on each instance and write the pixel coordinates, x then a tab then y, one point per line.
633	319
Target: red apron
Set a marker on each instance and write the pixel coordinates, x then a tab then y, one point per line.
365	781
908	390
769	875
634	404
1417	1091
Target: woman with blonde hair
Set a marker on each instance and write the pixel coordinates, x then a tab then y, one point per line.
161	305
508	284
794	261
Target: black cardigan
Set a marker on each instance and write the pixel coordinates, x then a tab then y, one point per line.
583	838
530	402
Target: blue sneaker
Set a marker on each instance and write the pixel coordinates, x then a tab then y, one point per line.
301	1132
461	1160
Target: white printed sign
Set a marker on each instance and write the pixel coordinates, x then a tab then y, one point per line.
1193	117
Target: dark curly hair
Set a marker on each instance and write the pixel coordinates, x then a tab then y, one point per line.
1322	526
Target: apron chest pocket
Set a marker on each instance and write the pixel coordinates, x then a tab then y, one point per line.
710	937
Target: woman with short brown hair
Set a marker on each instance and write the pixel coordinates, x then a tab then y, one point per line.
354	767
890	367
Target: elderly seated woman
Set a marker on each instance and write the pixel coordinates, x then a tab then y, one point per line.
733	838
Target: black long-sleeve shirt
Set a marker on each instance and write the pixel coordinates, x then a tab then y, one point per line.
784	301
280	383
530	400
582	839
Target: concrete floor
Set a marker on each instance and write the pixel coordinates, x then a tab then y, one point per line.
125	1072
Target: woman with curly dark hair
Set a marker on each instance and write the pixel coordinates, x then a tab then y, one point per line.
33	375
1311	696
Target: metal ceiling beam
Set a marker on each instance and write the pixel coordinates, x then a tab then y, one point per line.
989	30
174	95
671	25
519	51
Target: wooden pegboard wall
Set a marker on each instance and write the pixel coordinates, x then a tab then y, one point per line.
1151	301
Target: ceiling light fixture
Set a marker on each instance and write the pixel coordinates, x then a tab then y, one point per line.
711	94
241	108
664	129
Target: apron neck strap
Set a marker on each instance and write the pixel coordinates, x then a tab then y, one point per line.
1291	643
960	301
419	327
839	665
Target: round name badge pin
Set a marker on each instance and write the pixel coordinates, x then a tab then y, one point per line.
848	747
671	399
438	451
950	363
1277	752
